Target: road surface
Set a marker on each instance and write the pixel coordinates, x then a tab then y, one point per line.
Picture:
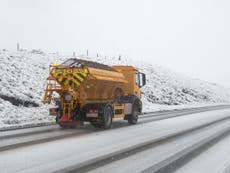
171	142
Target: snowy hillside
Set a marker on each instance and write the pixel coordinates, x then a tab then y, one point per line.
24	73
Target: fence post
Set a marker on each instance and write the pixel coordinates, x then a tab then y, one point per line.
119	57
18	47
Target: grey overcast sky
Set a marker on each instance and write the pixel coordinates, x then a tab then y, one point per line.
188	36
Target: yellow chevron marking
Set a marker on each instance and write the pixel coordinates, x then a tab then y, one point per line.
67	71
76	82
67	81
60	79
60	74
55	72
84	72
78	77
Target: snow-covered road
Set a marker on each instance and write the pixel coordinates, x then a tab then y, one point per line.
27	136
214	160
153	159
75	152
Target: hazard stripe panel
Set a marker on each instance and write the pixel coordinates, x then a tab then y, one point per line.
69	75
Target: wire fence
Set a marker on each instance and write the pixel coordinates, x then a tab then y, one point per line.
86	54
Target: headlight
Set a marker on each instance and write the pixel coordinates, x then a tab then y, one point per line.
67	97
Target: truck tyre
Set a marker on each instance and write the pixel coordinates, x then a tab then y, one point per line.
107	116
132	119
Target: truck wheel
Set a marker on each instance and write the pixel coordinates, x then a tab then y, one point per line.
107	116
134	116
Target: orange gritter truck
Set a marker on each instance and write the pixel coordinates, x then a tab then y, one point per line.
97	93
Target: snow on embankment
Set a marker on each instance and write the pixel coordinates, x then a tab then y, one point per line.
24	73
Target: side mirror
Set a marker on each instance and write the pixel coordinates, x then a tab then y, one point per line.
143	79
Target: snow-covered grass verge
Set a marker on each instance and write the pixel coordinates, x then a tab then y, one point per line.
24	73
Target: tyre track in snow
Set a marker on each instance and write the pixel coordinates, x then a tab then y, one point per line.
29	136
143	115
170	163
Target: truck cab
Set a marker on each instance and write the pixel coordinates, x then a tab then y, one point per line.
135	79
